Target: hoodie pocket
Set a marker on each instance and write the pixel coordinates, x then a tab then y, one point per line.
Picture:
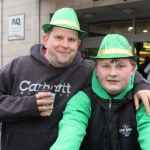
31	139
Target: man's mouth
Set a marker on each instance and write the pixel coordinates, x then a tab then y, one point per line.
63	53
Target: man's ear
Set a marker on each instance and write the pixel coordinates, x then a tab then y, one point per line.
45	39
133	69
79	42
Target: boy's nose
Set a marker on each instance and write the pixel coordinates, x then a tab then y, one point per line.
113	72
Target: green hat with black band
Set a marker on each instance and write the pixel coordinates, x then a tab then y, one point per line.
114	46
65	18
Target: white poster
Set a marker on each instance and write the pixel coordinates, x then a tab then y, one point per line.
16	27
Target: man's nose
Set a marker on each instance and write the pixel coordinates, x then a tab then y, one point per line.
65	43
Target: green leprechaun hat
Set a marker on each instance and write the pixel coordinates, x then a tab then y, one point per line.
114	46
65	18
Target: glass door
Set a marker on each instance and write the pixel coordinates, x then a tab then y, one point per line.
142	49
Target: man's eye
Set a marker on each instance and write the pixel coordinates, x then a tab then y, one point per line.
58	37
71	39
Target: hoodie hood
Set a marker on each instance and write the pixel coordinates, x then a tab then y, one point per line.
38	55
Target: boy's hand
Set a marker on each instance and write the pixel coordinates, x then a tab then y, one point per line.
143	95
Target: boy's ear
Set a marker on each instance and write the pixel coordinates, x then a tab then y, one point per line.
95	70
133	69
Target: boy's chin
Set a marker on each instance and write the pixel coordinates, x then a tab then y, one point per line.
113	93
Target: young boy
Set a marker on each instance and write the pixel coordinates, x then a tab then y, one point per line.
107	108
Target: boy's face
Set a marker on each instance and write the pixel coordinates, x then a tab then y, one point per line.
114	76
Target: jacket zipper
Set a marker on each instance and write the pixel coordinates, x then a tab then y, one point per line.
110	125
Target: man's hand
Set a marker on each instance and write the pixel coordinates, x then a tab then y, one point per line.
44	105
143	95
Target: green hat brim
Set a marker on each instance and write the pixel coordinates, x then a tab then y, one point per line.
46	27
112	56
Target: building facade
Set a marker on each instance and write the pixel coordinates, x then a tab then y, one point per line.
97	17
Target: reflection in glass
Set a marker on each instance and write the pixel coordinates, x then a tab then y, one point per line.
142	26
104	28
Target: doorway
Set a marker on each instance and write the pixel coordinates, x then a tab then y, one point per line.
142	49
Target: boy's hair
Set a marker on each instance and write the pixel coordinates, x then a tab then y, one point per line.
133	63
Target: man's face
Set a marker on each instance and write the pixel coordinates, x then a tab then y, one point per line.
61	45
114	76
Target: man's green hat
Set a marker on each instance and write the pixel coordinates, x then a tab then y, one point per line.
65	18
114	46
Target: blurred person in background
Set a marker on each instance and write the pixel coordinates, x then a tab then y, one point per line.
143	66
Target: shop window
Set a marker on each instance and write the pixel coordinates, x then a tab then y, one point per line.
142	50
104	28
142	26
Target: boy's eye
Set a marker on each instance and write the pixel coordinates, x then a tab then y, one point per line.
105	66
120	66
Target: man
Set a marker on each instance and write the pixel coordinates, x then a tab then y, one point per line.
143	66
56	65
147	71
84	54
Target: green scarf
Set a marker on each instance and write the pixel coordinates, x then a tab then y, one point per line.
98	89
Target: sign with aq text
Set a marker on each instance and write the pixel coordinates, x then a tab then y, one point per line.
16	27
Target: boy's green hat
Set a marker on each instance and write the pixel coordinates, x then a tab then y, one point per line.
65	18
114	46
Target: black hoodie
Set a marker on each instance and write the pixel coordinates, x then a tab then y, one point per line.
22	126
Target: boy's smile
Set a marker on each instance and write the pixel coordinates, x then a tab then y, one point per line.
112	81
